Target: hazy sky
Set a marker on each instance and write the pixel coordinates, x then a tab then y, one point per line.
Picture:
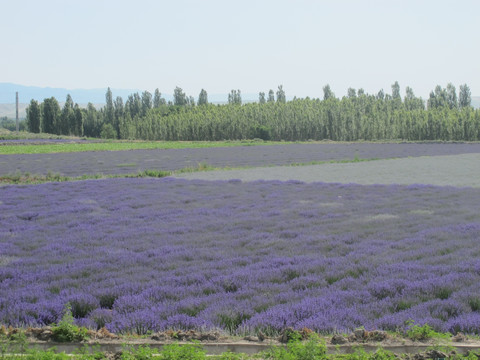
251	45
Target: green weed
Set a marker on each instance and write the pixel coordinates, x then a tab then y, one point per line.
425	332
66	330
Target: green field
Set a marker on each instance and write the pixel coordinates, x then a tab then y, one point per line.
120	145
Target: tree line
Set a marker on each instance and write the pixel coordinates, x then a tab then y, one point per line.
445	115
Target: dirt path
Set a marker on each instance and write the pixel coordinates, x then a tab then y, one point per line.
451	170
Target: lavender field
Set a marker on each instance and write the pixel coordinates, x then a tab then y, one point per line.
132	161
154	254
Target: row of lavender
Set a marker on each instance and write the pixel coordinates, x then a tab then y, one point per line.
152	254
122	162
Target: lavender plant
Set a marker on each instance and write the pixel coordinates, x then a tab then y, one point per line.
113	162
140	255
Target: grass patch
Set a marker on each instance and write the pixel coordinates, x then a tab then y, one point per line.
122	145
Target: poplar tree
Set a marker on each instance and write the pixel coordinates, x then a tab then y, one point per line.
465	96
271	96
452	96
261	98
109	111
146	102
203	97
66	123
179	97
50	115
281	98
327	92
157	98
33	117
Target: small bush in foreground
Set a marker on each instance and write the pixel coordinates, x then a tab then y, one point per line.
66	330
425	332
312	349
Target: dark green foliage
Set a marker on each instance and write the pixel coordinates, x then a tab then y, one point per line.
232	321
357	116
50	116
260	132
281	97
203	97
425	332
33	117
261	98
179	97
235	97
108	131
465	96
182	352
66	330
312	349
474	303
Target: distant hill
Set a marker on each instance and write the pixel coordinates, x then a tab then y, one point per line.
81	96
84	96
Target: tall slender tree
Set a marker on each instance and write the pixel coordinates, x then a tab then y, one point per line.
109	111
157	98
261	98
33	117
146	102
77	121
66	124
235	97
271	96
50	115
452	96
281	98
465	96
327	92
203	97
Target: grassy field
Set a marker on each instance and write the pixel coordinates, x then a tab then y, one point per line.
49	148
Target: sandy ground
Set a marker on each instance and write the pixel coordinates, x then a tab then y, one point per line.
452	170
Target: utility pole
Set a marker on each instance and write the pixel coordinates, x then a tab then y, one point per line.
16	117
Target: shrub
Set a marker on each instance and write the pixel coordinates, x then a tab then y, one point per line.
183	352
312	349
66	330
425	332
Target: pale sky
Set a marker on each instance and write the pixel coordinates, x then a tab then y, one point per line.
251	45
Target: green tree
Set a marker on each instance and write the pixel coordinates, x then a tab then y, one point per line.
235	97
157	99
465	96
261	98
78	121
50	115
133	105
271	96
452	96
203	97
119	113
109	111
146	102
327	92
67	121
351	93
396	91
281	98
411	101
92	123
33	117
179	97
